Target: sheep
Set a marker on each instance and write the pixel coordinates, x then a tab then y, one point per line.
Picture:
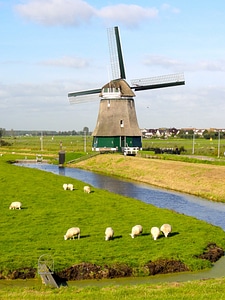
87	189
71	233
166	229
15	205
136	230
109	233
70	186
65	186
155	232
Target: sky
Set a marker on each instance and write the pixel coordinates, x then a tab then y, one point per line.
49	48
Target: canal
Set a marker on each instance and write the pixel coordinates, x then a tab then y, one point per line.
202	209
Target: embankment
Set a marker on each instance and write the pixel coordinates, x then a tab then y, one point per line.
202	180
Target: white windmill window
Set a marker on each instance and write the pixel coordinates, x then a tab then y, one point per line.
121	123
111	92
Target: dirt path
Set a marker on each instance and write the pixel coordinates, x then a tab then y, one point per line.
203	180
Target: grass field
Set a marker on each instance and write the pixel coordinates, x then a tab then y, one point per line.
33	144
199	290
48	211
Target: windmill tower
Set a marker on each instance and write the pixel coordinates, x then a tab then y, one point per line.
117	126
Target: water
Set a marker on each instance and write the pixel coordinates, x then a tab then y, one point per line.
216	272
211	212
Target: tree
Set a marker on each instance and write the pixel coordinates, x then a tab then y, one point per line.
86	129
2	132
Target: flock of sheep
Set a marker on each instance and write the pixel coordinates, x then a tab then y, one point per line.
18	205
73	232
69	186
166	229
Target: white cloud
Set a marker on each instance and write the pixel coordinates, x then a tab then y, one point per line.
168	7
181	107
129	15
75	12
56	12
216	65
163	61
169	63
43	106
66	61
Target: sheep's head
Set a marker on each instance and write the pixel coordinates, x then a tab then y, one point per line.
65	237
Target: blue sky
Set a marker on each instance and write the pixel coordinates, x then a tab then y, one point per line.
51	47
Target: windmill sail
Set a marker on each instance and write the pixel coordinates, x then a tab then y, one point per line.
117	68
115	51
83	96
157	82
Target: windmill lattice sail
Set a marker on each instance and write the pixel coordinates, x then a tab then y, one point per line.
116	56
158	82
84	96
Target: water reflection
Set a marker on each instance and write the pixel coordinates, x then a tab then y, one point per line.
208	211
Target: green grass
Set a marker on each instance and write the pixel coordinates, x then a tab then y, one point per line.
201	146
32	144
48	211
198	290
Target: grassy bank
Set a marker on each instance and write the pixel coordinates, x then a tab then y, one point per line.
199	290
48	211
203	180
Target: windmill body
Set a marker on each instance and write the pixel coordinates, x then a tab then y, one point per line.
117	126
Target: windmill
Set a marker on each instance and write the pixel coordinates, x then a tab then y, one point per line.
117	126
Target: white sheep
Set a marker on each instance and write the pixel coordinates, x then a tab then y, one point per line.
136	230
15	205
155	232
65	185
72	232
166	229
70	186
87	189
109	233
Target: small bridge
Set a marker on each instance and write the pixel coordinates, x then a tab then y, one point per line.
46	270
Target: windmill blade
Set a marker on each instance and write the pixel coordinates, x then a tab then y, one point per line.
84	96
115	52
158	82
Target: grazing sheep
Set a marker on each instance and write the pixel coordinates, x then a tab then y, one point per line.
65	186
87	189
70	187
155	232
71	233
15	205
136	230
109	233
166	229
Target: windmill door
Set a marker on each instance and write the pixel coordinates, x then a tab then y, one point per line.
123	141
